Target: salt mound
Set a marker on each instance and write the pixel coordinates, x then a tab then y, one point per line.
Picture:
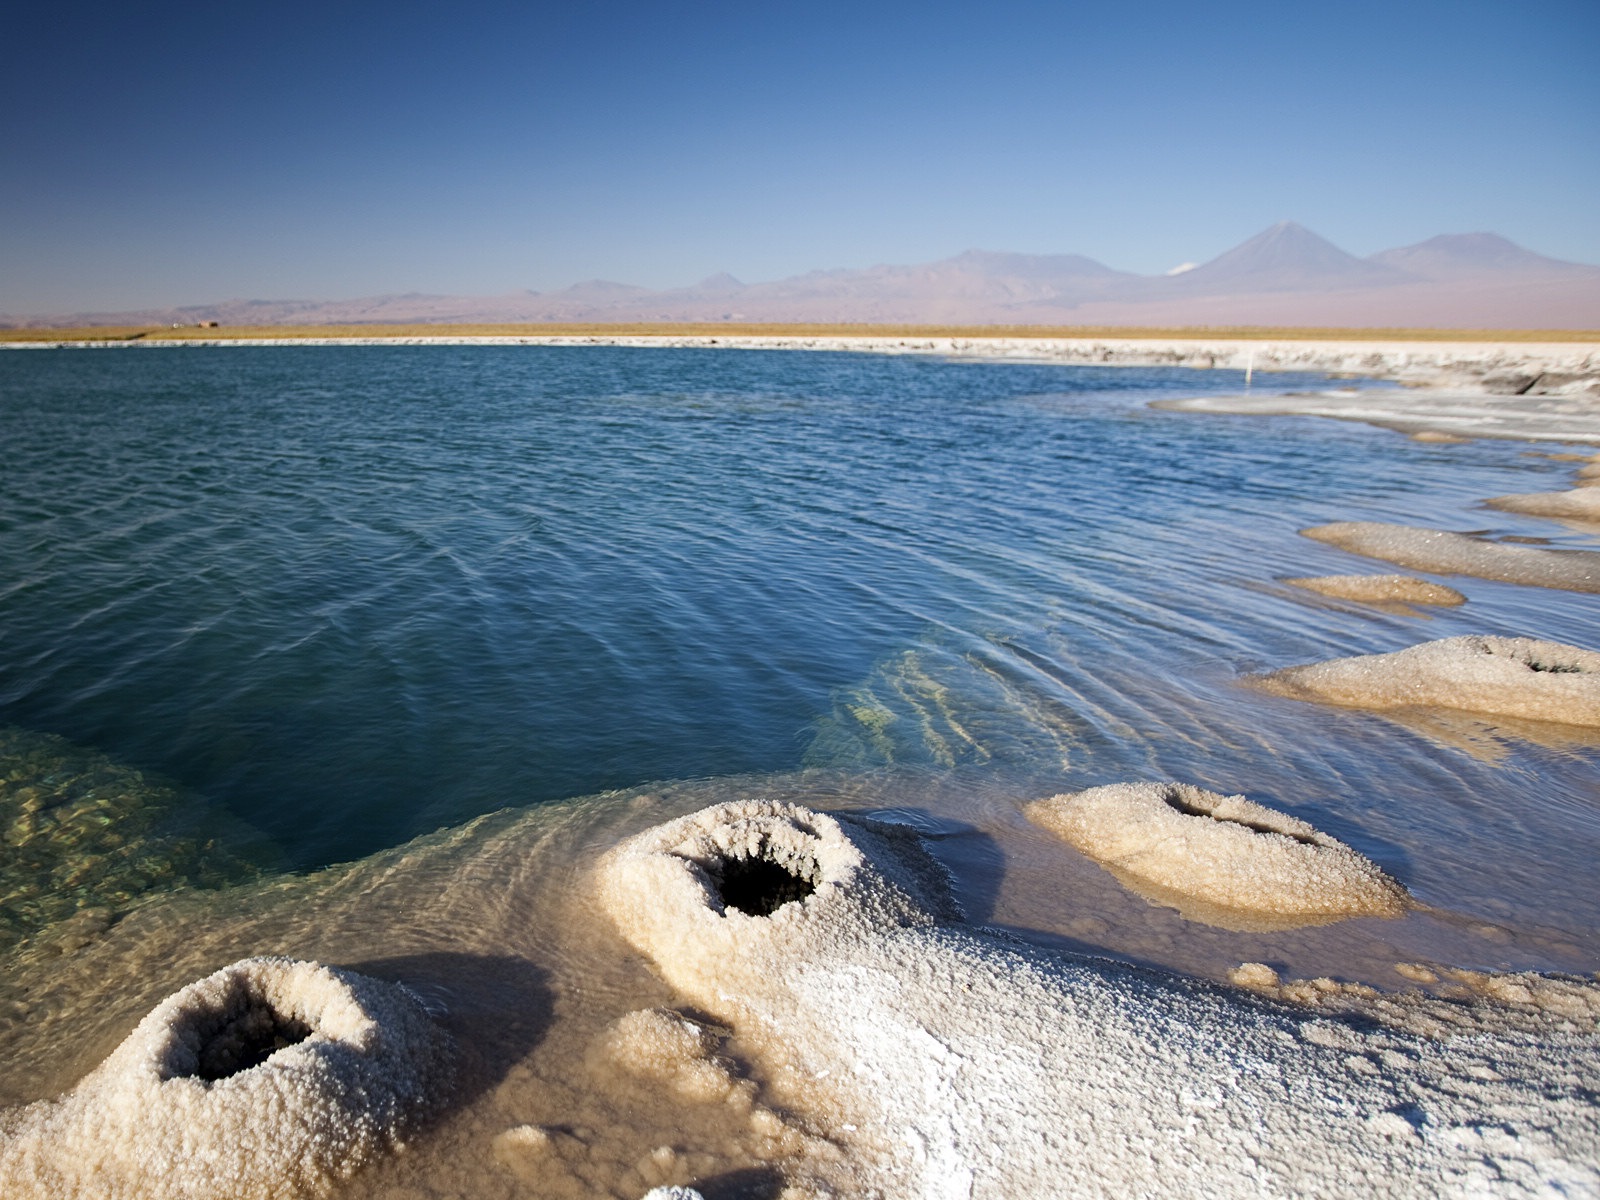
754	879
1508	677
1442	553
1578	504
1380	589
947	1061
270	1078
1221	850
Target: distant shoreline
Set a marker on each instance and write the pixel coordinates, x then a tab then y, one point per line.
1535	385
739	330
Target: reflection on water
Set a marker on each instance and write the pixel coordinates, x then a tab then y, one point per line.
348	596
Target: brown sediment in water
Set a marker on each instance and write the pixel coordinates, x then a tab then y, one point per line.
1221	859
1380	589
1514	677
268	1079
1443	439
1442	553
938	1057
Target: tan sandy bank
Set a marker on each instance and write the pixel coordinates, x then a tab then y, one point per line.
1443	553
1513	677
1225	852
944	1061
1380	589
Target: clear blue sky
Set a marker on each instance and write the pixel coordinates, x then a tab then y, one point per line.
185	152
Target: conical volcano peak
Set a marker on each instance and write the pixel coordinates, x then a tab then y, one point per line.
1287	257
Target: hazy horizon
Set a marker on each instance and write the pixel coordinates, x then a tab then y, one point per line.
308	153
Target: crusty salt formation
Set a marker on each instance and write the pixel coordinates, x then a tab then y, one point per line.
756	879
1578	504
1497	676
1220	850
1380	589
270	1078
947	1061
1441	553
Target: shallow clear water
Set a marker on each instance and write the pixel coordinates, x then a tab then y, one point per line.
272	608
295	606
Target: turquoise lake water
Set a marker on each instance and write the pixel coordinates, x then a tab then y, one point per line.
271	608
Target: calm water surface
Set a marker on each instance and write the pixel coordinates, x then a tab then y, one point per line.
333	598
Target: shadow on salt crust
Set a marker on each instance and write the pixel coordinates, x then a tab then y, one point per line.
1380	589
270	1078
1443	553
1222	860
1499	676
947	1061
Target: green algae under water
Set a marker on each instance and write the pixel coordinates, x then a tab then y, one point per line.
84	838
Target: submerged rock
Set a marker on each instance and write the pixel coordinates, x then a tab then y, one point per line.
1222	851
948	1061
270	1078
1499	676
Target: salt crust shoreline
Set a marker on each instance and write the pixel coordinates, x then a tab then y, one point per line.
1438	364
1542	391
952	1062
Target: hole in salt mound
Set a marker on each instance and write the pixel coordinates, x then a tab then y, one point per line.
1176	801
760	886
242	1036
1554	668
1526	657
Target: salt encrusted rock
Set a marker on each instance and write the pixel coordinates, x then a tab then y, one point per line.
1380	589
945	1061
1498	676
731	886
1578	504
270	1078
1221	850
1442	553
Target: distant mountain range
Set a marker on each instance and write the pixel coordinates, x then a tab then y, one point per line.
1286	275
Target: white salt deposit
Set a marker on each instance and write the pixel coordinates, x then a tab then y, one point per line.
1578	504
951	1062
1442	553
1380	589
1509	677
1225	851
270	1078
